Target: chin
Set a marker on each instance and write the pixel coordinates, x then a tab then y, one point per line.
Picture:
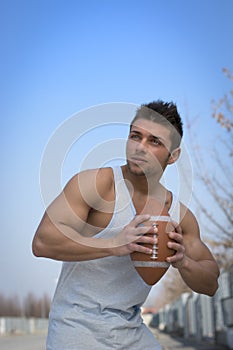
136	170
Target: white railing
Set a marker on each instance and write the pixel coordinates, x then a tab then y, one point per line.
22	325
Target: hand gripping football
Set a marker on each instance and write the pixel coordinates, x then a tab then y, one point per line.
152	267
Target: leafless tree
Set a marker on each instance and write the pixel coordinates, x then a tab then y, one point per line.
31	306
10	306
36	307
217	219
172	287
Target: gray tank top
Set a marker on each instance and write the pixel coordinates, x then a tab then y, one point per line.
97	302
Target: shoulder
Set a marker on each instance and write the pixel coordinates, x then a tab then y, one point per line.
102	178
91	183
188	223
194	246
92	176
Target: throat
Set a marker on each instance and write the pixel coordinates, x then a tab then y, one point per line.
141	183
146	191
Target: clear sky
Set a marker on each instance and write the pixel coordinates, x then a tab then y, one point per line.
60	57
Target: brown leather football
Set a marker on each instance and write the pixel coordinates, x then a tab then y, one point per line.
152	267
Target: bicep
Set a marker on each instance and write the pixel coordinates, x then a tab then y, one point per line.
195	248
70	210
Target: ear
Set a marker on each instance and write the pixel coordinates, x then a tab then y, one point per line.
174	156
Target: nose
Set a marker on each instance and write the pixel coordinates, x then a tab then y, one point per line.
141	146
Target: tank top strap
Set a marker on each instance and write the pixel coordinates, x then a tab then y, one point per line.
123	198
118	175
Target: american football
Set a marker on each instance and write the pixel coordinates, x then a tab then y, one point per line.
152	267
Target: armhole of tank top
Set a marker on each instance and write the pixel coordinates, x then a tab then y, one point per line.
174	210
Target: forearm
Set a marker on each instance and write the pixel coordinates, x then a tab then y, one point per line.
200	276
62	242
65	244
68	250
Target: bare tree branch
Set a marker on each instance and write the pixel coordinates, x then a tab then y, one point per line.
219	190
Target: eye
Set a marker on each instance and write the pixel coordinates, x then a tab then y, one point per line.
156	141
134	137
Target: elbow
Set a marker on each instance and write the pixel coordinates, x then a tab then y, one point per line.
212	282
42	248
213	290
215	284
210	290
38	248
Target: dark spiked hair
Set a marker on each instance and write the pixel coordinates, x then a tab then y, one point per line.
163	113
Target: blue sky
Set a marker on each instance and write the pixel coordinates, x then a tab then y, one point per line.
60	57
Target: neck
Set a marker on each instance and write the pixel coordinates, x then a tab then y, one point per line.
146	185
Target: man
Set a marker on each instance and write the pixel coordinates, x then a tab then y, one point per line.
94	225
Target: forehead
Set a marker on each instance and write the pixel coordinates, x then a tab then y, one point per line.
148	127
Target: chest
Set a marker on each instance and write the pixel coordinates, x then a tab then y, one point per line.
101	214
151	204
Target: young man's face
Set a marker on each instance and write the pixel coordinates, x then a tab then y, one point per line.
148	148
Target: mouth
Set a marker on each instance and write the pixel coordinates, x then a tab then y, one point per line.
138	160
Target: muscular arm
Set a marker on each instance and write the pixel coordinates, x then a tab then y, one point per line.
58	235
54	241
64	233
193	259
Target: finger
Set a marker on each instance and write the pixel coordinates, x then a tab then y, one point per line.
142	230
148	240
175	258
175	246
176	226
134	247
139	219
175	236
